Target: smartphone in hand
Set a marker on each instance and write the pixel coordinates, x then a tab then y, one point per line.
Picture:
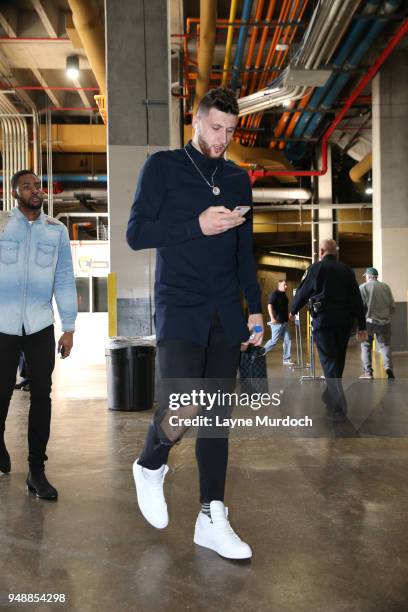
242	210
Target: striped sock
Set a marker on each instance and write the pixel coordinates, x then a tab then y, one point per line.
205	509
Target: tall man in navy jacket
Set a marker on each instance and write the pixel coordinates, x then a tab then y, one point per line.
184	207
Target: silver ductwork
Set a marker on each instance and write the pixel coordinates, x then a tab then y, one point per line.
328	23
280	194
14	133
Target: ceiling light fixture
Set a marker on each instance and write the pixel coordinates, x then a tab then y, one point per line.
72	66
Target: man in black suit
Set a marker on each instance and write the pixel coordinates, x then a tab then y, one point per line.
184	207
335	304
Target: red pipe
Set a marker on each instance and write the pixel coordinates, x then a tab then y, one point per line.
400	33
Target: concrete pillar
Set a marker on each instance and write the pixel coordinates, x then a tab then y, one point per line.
137	47
325	213
390	186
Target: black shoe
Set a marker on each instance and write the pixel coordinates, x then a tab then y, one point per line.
390	374
38	484
5	463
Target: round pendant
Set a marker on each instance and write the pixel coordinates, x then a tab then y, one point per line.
216	190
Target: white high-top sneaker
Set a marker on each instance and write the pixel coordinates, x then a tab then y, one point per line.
216	533
150	496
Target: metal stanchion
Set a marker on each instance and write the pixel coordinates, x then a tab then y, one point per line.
312	365
299	365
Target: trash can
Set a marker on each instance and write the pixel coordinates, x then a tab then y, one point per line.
130	373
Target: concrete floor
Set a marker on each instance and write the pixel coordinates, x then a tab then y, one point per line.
326	515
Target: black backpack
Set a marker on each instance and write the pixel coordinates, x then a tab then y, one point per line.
252	370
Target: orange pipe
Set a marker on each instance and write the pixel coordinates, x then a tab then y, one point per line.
293	122
284	9
75	227
281	126
225	23
252	43
258	60
286	38
262	44
275	39
288	35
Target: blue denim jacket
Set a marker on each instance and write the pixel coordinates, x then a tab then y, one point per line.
35	265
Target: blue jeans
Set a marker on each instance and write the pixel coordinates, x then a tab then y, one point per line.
278	331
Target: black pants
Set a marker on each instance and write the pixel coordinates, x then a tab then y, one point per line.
331	345
39	351
181	361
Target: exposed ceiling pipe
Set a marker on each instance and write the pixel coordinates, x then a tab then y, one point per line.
359	170
14	146
276	93
252	45
264	38
279	194
327	14
392	43
352	39
208	14
246	120
93	193
76	226
337	83
253	120
341	21
246	14
92	35
230	34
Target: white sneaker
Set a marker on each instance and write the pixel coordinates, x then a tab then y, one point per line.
150	496
288	362
216	533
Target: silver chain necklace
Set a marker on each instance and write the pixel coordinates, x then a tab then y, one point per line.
216	190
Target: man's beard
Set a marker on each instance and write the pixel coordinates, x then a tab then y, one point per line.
31	205
206	149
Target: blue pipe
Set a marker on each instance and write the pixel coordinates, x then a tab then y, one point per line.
342	79
353	38
352	63
78	178
94	179
246	13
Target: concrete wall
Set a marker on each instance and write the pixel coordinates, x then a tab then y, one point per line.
390	185
137	47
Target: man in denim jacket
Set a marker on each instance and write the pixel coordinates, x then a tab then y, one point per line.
35	265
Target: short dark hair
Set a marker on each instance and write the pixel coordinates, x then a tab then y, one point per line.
16	176
282	280
221	98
